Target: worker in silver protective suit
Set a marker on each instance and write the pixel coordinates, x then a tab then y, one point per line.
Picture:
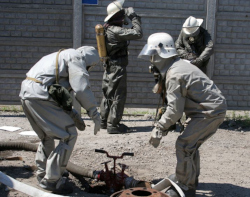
114	84
187	89
194	43
49	120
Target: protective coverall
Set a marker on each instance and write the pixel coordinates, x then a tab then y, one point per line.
199	50
114	84
48	120
189	90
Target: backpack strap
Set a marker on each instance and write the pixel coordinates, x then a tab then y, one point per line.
57	67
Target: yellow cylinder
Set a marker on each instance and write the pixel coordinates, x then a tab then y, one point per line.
100	38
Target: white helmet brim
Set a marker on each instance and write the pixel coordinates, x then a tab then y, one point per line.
147	52
192	25
113	8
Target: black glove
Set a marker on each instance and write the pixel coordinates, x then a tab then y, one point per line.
191	56
197	62
130	13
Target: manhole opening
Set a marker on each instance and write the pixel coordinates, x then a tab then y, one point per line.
141	193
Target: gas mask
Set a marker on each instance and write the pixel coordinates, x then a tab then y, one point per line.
157	89
125	20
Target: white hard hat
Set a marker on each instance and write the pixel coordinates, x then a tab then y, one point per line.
113	8
191	25
161	44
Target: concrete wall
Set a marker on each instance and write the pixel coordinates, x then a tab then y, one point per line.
157	16
232	52
30	29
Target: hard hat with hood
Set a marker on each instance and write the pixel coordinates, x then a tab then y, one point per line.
160	48
113	8
191	26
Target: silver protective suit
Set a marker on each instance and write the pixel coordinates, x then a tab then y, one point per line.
190	91
48	120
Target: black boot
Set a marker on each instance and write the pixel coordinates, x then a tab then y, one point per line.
118	129
103	125
189	193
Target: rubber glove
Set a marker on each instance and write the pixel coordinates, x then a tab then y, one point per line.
97	120
197	62
155	138
130	13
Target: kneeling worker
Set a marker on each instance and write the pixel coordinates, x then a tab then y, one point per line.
187	89
43	95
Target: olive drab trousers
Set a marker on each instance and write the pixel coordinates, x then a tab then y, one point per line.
114	87
50	122
187	145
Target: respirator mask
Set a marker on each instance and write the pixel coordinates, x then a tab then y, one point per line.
157	89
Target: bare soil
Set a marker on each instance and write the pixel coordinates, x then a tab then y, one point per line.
225	157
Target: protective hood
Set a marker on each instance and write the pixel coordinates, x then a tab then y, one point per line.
162	64
90	55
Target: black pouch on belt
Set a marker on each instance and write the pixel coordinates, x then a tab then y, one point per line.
62	96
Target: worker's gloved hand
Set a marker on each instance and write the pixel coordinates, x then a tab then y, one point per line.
191	56
156	136
95	116
197	62
97	120
77	119
130	13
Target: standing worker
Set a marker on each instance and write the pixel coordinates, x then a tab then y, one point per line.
50	118
194	43
114	84
187	89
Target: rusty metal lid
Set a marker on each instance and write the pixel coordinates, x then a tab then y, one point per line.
139	191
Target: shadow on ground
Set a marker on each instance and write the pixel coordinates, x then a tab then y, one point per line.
15	172
140	129
220	189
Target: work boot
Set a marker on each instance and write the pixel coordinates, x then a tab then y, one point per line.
189	193
173	178
59	187
65	174
119	129
103	125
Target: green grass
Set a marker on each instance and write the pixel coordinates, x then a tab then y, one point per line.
239	117
138	113
11	108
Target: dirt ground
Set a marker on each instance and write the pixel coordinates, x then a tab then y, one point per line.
225	157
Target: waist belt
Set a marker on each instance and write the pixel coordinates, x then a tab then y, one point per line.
33	79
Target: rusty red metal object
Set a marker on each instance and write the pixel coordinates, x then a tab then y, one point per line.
114	181
139	191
